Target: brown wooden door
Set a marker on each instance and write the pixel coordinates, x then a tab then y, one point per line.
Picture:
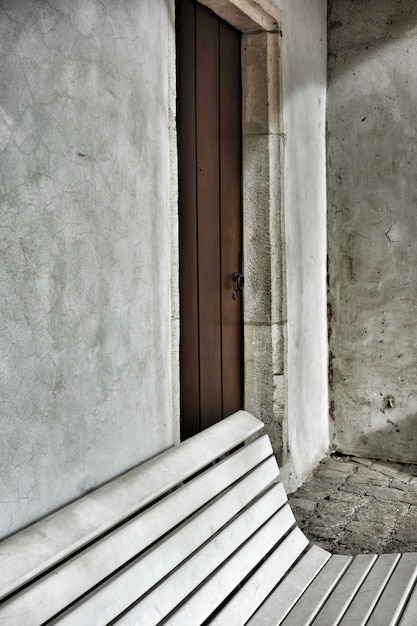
209	142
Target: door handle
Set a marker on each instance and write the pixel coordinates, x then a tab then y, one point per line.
238	284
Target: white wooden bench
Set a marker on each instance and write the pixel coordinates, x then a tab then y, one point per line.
202	533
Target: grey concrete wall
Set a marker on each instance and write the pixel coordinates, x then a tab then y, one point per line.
85	344
304	101
372	162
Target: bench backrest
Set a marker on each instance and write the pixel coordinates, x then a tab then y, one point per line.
172	539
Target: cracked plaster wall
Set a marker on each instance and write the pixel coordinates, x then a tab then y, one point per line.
85	344
372	202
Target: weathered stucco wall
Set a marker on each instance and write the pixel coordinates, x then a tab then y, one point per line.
304	101
85	347
372	162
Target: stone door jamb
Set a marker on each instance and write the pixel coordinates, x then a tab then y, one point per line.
265	324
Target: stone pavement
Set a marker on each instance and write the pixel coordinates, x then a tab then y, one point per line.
351	505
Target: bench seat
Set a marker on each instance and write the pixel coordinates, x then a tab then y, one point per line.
201	534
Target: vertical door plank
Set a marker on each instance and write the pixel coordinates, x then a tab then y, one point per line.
231	218
209	142
186	119
208	219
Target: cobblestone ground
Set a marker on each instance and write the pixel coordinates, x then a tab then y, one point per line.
351	506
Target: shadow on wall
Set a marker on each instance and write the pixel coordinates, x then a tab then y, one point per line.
371	24
392	439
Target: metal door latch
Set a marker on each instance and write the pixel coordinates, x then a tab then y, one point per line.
238	284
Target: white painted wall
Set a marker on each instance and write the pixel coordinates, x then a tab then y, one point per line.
304	100
85	318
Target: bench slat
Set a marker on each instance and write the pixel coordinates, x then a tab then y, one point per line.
394	597
317	593
207	599
47	542
251	595
56	590
409	617
341	597
198	569
365	600
122	590
284	597
203	533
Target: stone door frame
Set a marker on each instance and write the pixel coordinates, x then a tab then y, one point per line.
264	317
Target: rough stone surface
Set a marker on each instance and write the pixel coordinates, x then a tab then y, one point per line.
263	244
372	226
343	508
